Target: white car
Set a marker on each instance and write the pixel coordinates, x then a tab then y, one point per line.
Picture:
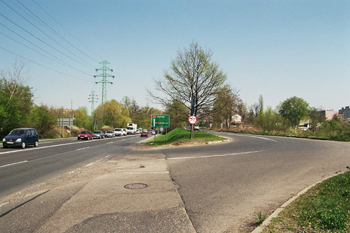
196	127
124	132
118	132
109	134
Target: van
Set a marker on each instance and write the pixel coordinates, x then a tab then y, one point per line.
21	137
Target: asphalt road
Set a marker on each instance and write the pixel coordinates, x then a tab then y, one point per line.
24	168
222	186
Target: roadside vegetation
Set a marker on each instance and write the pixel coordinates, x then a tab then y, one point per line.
181	135
345	137
324	208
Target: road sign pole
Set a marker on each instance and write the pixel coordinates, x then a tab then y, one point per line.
192	131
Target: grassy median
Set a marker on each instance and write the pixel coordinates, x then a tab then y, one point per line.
324	208
179	135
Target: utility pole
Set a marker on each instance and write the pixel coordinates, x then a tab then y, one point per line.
104	80
92	99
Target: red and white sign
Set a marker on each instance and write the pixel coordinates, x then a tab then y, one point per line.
192	120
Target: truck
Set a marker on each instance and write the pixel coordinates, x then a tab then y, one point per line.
131	128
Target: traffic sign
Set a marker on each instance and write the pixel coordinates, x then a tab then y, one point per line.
192	120
160	121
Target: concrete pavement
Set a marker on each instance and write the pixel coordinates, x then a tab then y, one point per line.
131	194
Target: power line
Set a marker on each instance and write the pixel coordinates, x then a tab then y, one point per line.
40	31
54	31
42	65
68	33
56	58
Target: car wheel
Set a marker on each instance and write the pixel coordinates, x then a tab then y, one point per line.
5	146
36	143
23	145
78	138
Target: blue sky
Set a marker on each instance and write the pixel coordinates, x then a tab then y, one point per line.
277	49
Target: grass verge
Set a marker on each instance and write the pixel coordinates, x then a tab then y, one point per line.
343	138
324	208
179	135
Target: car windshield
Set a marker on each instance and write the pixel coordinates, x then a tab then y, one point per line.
84	132
117	129
109	131
17	132
130	128
97	132
145	131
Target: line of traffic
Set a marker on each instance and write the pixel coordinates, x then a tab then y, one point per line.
50	146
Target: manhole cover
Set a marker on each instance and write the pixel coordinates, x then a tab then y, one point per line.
135	186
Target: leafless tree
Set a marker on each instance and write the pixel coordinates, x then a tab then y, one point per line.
193	80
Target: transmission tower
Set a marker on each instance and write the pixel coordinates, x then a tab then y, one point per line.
104	80
93	99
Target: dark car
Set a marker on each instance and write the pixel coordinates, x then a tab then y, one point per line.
144	133
98	134
85	134
21	137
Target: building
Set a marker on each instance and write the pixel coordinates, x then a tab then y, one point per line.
236	119
345	112
329	114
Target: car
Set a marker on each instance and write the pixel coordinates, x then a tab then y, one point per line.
98	134
85	134
144	133
109	134
21	137
196	127
153	132
124	132
137	131
118	132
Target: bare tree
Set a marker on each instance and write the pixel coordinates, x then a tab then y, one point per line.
193	80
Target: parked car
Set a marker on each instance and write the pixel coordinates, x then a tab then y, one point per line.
124	132
137	131
153	132
109	134
118	132
144	133
98	134
85	134
21	137
196	127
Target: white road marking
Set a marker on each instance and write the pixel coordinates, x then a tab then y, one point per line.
214	156
11	164
267	139
83	148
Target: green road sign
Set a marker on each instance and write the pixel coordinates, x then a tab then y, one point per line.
160	121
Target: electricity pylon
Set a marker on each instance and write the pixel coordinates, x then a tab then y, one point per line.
104	80
92	101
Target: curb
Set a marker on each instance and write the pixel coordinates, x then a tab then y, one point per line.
275	214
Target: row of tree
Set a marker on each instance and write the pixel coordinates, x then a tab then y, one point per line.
194	84
16	104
